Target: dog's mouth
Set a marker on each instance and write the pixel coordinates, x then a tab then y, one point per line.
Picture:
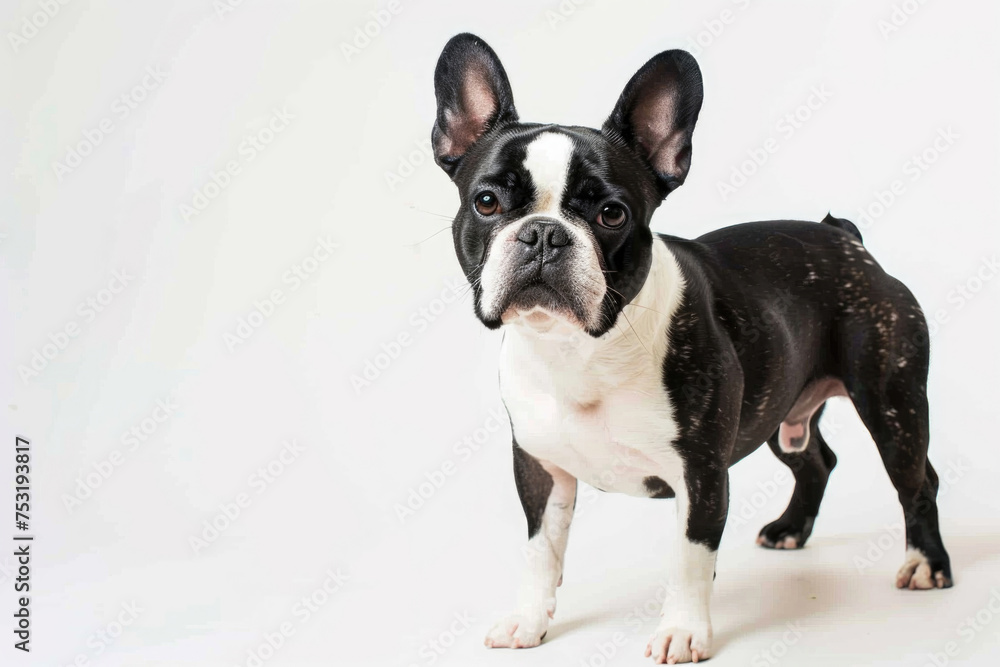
541	307
538	293
572	294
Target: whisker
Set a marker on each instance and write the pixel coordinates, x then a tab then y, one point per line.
612	289
411	245
450	218
624	334
470	288
636	334
634	304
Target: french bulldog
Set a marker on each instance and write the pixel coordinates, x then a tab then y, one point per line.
647	364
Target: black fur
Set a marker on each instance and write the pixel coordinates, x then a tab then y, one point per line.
769	308
657	487
533	486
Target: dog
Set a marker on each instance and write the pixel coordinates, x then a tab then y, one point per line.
647	364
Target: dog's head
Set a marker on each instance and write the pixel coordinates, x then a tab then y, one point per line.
554	220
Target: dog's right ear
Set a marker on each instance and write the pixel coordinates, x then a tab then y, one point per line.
473	97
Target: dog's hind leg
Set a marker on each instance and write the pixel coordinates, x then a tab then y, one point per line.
885	363
811	462
896	417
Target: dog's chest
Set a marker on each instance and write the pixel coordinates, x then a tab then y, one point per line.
603	416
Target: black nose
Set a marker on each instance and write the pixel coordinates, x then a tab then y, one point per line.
546	234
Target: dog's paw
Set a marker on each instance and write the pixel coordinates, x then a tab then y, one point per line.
919	574
784	534
522	630
673	644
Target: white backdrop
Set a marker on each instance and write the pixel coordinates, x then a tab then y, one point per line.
183	345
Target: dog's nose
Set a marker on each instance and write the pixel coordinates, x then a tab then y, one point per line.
546	234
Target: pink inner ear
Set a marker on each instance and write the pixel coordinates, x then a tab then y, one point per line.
653	120
466	124
478	99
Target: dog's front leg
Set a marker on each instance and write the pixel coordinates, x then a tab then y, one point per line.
548	496
685	630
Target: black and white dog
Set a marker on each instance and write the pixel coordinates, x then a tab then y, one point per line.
649	364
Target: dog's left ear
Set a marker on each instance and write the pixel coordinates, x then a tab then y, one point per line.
473	97
656	114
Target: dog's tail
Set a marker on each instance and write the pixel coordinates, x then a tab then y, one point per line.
846	225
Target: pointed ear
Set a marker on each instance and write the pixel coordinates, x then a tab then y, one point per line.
656	114
473	97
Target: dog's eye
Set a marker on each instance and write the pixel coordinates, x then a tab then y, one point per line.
487	203
612	216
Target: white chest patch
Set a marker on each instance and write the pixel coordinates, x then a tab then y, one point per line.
597	407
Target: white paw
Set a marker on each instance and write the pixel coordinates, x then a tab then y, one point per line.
917	573
522	630
787	542
674	644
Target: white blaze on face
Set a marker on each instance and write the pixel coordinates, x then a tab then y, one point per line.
547	160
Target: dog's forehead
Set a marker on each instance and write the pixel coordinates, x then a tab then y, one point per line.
540	153
547	160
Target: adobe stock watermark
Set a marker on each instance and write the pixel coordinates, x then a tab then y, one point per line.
294	278
894	533
86	312
420	320
302	612
786	127
250	147
971	627
407	164
224	7
32	24
714	27
363	34
605	651
120	110
967	290
772	655
650	611
230	511
559	13
959	296
101	639
434	648
750	507
101	471
900	15
463	450
913	168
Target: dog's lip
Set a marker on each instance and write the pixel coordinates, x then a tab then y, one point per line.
541	318
537	283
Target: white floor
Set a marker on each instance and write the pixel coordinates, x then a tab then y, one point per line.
426	591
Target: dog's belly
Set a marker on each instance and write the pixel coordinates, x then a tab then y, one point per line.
621	442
